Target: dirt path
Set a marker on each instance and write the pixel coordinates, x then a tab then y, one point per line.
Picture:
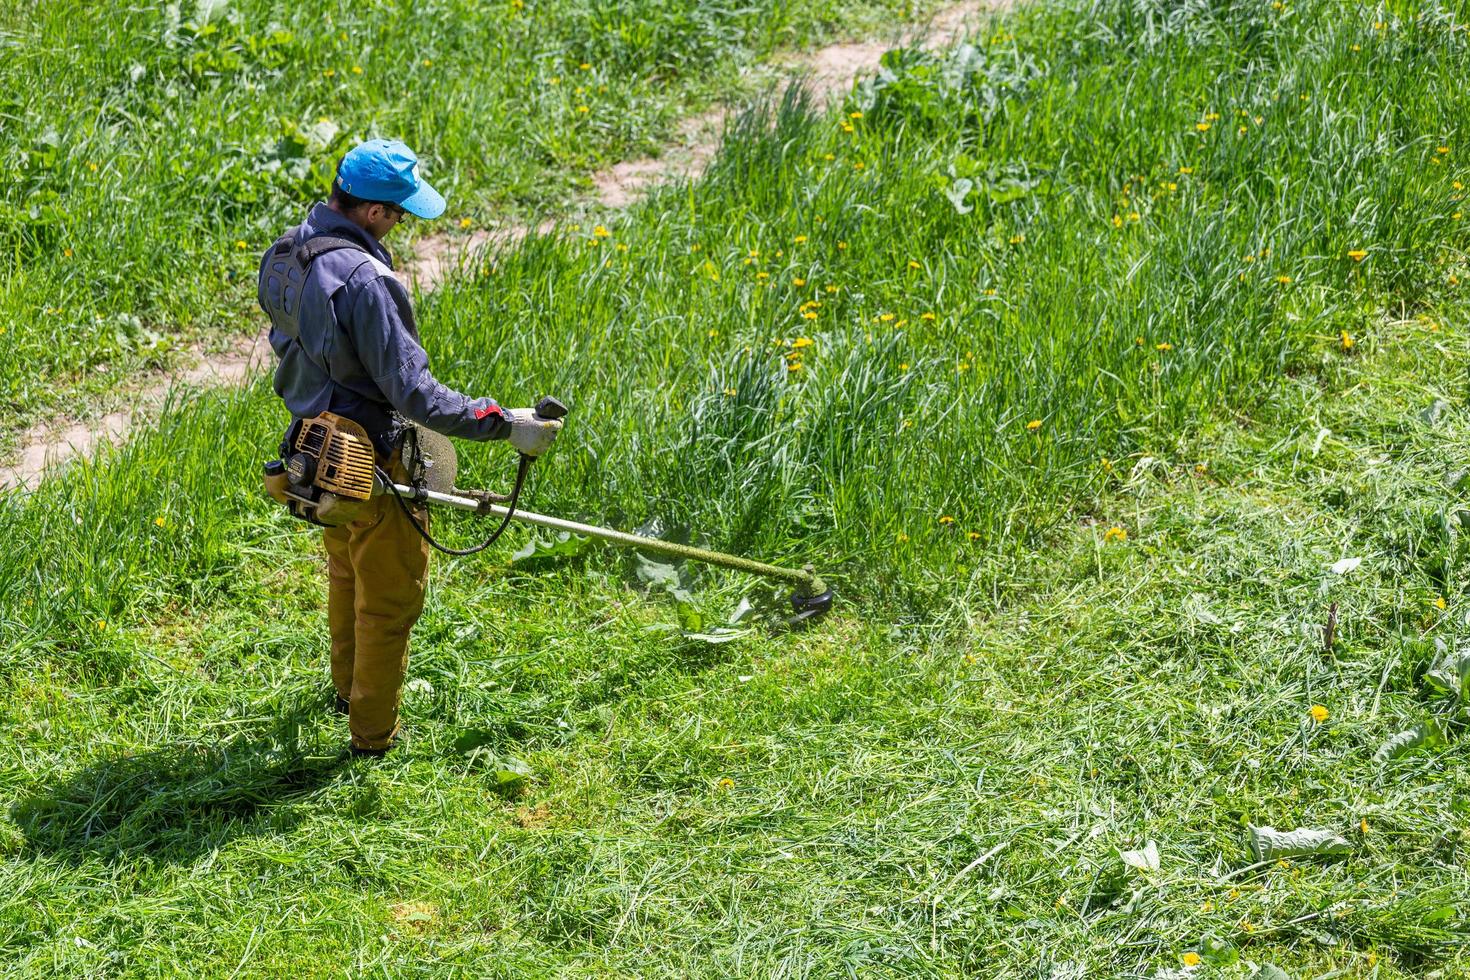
828	72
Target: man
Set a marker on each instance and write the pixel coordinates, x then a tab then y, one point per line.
347	344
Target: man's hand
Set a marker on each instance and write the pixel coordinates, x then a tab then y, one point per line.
529	433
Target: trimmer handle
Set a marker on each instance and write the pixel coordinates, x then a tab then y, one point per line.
550	409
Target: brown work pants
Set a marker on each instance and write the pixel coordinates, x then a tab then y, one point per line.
377	569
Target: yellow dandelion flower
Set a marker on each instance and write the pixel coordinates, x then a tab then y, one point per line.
102	624
914	265
859	165
1017	239
842	246
946	520
92	166
801	342
1441	150
1164	346
1363	825
1115	534
726	783
847	127
793	366
1107	465
926	316
1117	221
828	157
1357	254
808	315
854	115
1203	127
160	521
799	239
328	73
465	222
583	109
585	66
886	317
357	69
1456	216
1033	425
904	366
1191	958
1171	186
902	538
973	535
1283	279
241	243
1318	713
66	252
1186	170
1346	340
989	292
1133	216
428	63
1439	603
798	282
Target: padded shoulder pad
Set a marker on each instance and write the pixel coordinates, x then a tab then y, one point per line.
314	248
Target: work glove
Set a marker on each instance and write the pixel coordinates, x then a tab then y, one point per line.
530	433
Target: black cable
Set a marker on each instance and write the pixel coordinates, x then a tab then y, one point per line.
510	509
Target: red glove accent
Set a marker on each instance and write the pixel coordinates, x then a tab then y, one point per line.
480	413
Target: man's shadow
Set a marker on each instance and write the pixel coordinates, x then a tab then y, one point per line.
178	802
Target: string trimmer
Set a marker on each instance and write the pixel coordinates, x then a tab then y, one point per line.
332	471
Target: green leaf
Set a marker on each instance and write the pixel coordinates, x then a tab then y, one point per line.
956	193
1450	673
1217	952
1144	859
720	634
655	574
1269	844
563	544
1426	734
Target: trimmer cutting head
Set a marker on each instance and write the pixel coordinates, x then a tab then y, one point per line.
809	607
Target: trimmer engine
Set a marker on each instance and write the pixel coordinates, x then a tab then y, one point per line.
330	474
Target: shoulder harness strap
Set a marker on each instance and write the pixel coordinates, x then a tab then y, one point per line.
315	248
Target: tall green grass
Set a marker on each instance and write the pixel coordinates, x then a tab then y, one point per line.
156	149
914	332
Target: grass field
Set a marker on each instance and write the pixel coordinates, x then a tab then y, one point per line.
187	134
1098	363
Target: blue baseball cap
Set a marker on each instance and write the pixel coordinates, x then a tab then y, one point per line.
387	170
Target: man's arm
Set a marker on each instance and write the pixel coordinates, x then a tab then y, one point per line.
382	331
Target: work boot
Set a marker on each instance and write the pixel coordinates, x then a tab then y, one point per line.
361	753
343	706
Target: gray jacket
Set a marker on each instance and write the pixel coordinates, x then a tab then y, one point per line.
359	353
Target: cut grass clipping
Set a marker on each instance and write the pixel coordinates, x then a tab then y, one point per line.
1101	363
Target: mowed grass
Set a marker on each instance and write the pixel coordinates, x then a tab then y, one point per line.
157	148
911	794
943	776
